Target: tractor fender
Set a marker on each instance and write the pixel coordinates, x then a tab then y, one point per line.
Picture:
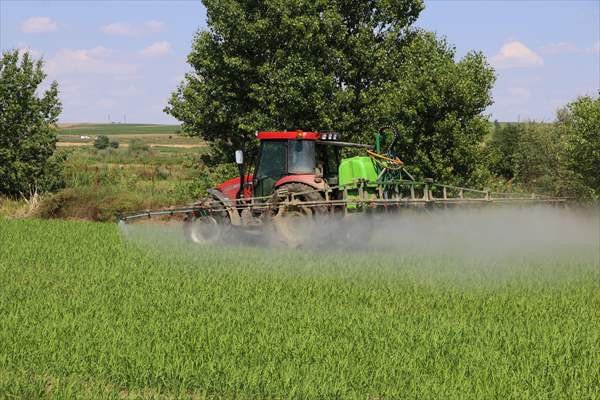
234	216
307	179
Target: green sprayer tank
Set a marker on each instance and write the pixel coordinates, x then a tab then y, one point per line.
355	169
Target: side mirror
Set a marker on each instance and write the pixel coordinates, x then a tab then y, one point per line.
239	157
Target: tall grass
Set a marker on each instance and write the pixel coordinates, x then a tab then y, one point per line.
87	312
99	184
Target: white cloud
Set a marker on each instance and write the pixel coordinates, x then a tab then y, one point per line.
559	48
157	49
39	25
129	30
155	26
119	29
516	55
98	60
569	48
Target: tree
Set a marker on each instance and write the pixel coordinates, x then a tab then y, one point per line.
536	158
560	158
580	121
502	147
102	142
350	66
28	158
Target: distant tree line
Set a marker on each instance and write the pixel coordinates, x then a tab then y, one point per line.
559	158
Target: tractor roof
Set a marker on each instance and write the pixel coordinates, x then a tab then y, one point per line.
288	135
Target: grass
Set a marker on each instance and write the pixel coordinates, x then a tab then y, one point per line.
87	312
101	183
156	156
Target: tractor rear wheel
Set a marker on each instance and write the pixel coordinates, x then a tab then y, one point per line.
297	224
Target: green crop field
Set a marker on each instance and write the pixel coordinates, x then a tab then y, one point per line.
154	135
117	129
89	312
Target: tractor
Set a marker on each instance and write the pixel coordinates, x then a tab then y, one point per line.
299	178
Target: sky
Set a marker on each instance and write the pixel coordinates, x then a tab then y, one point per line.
120	60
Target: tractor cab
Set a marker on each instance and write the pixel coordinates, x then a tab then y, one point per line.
308	158
286	157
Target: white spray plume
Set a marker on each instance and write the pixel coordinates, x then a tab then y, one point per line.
470	234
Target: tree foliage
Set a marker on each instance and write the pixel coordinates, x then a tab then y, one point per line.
561	158
28	161
501	149
581	121
102	142
349	66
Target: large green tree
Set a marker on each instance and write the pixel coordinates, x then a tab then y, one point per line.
349	66
28	162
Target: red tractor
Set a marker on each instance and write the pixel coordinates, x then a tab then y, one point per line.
299	178
298	164
297	161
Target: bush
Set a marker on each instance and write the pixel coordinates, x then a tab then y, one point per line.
102	142
204	178
98	203
138	145
114	144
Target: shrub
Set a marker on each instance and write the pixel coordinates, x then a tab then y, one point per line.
138	145
102	142
204	178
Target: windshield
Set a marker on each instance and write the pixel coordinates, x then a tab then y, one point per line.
301	157
271	166
272	159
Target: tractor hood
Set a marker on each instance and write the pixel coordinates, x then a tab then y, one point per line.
231	187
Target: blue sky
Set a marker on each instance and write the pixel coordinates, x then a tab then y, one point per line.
124	58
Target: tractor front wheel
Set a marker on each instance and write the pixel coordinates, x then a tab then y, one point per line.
203	229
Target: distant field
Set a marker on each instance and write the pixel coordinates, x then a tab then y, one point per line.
70	135
117	129
88	313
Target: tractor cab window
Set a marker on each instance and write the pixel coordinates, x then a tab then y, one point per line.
301	157
271	167
329	158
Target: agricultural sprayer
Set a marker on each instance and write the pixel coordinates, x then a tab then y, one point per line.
300	178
